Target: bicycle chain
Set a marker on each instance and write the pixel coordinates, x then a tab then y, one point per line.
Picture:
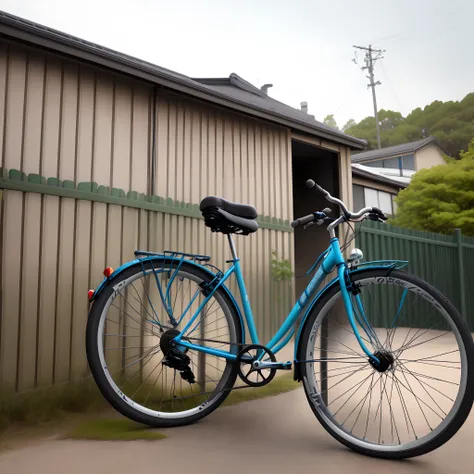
239	344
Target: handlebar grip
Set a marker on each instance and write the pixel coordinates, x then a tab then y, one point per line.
377	215
311	184
302	221
321	190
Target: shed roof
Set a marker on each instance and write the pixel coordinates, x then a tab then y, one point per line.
238	88
236	94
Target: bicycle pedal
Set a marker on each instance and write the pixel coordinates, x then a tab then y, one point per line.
275	365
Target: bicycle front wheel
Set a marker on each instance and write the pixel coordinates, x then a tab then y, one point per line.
137	369
420	393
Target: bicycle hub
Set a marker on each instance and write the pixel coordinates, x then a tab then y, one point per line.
386	361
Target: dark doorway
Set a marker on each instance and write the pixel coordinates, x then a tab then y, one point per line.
322	166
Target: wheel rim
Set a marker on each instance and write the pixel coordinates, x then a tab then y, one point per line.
137	375
410	408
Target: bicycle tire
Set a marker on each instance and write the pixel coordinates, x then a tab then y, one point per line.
340	434
113	396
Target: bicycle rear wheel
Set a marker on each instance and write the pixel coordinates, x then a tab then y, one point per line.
421	393
128	344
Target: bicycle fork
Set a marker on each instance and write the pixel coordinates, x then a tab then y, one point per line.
341	273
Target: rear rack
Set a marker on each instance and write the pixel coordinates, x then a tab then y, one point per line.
173	255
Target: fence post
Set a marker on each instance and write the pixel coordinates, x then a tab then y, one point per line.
462	285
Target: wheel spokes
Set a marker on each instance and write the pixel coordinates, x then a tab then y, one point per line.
132	348
408	397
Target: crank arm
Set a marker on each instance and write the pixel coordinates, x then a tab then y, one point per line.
272	365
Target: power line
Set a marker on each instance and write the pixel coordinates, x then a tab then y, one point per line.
349	93
371	56
384	72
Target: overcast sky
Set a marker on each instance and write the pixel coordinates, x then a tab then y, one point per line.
303	47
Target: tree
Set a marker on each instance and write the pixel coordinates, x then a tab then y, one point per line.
451	123
440	199
350	123
389	119
365	130
402	134
330	120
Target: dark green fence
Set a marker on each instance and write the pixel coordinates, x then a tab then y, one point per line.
447	262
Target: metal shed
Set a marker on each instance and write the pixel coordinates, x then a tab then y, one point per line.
103	153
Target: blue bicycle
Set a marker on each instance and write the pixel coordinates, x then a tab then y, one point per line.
385	359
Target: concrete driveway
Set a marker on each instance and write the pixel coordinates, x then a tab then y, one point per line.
277	435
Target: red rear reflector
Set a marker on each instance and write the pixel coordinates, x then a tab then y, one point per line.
90	294
108	271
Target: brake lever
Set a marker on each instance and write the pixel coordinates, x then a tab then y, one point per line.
318	222
376	217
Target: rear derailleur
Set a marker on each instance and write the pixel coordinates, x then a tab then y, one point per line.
177	360
174	358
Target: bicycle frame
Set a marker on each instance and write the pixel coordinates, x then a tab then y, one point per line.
333	258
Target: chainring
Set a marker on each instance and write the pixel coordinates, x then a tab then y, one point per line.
245	358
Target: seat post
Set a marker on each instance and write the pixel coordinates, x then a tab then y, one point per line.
232	247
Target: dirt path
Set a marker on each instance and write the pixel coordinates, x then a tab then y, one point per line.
278	434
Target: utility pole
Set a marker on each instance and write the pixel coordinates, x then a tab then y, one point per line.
372	55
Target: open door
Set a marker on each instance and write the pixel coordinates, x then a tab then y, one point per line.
311	162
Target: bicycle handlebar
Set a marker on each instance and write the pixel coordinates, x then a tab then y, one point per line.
374	213
317	217
302	221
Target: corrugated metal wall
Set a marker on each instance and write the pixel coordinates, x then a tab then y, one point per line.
433	257
72	122
83	126
203	151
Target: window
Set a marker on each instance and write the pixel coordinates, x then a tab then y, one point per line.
394	204
409	162
391	163
358	196
379	199
376	164
388	163
385	202
371	197
365	197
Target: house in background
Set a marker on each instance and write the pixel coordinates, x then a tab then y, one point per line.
406	158
379	175
373	189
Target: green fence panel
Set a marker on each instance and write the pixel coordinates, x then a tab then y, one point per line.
468	258
444	261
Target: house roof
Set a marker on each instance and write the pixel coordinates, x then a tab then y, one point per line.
237	94
397	150
364	172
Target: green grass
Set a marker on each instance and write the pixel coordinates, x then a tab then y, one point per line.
46	409
122	429
49	404
112	430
